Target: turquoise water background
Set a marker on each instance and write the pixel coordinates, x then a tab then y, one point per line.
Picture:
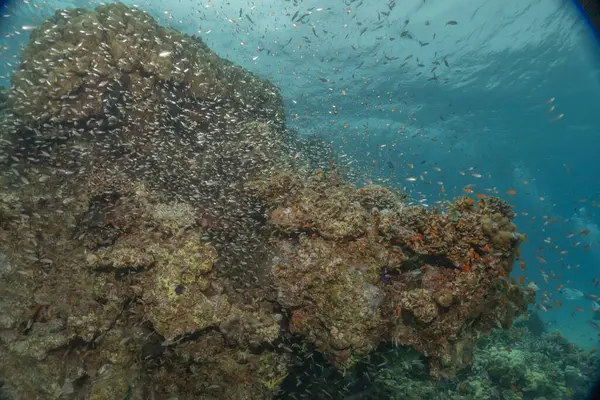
484	110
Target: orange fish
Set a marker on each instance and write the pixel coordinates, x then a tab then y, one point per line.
521	279
526	315
398	310
512	191
470	201
467	190
522	264
480	196
558	303
466	268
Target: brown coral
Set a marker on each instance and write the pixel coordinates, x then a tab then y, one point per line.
435	278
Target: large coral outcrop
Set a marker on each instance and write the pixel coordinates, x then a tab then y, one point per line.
125	150
158	239
357	272
107	64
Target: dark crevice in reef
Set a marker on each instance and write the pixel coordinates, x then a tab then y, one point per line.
418	259
435	259
121	272
191	336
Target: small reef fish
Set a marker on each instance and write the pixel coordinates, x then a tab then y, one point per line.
523	266
592	297
533	286
572	294
541	259
558	303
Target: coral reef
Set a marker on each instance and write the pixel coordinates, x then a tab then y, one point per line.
120	309
67	75
507	364
159	239
123	209
522	364
358	266
111	90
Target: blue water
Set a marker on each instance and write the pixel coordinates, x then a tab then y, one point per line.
485	113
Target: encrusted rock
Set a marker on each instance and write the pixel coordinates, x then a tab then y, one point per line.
421	304
443	297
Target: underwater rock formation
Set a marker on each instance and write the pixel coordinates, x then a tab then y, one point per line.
123	210
81	65
158	238
359	266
